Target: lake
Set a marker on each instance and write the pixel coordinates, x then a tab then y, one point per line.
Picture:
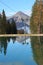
25	52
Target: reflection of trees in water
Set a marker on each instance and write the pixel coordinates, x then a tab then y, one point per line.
37	46
3	43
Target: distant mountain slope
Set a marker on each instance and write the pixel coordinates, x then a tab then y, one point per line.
21	15
20	19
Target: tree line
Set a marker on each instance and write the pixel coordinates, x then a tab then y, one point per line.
36	20
5	26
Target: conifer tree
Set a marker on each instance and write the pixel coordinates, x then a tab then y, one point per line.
5	26
0	23
3	21
0	17
13	27
36	20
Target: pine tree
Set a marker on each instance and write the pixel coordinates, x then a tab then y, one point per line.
8	27
5	26
36	20
0	23
13	27
0	20
4	21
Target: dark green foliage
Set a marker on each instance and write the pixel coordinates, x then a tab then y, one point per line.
13	27
3	17
8	28
4	21
5	26
0	20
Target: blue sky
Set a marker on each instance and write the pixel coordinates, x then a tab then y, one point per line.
13	6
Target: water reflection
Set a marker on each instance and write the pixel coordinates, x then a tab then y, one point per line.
4	44
37	48
29	52
5	40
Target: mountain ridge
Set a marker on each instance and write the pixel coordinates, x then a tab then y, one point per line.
19	13
21	20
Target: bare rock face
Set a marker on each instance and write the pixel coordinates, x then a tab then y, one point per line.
21	17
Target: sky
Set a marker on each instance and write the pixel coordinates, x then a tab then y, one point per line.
13	6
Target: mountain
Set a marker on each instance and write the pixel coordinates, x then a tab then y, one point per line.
21	19
20	16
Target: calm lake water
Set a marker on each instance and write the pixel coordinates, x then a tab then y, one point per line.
14	52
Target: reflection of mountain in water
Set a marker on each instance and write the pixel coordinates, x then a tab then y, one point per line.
21	39
3	44
37	46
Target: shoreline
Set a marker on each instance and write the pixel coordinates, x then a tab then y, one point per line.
13	35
